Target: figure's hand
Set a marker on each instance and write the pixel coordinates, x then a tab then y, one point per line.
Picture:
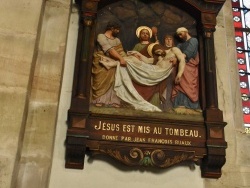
177	79
154	30
154	33
137	56
173	60
160	58
123	63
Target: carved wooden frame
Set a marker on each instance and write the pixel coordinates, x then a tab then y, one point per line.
208	150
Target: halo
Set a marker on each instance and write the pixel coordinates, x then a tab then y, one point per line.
150	48
138	30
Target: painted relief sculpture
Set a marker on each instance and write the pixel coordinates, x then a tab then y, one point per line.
153	96
151	103
142	70
139	76
137	69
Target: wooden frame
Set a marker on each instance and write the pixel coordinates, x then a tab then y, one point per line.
201	141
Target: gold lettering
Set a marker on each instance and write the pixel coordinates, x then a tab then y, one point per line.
144	129
166	131
157	130
107	126
191	133
98	127
138	139
126	138
171	131
176	131
182	132
181	142
159	141
104	126
196	133
109	137
128	128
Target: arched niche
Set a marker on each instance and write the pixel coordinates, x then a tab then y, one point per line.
198	139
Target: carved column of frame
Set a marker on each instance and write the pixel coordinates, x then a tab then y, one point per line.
207	149
216	145
78	113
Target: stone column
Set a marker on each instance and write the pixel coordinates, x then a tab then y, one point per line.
19	33
36	146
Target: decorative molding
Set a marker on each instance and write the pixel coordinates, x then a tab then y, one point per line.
134	156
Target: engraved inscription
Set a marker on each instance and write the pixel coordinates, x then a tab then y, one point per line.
153	134
116	127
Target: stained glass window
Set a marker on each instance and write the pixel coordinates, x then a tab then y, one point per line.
241	17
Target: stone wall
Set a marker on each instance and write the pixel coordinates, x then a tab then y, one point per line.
19	31
32	47
236	171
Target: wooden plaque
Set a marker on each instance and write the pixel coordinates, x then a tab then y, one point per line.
142	138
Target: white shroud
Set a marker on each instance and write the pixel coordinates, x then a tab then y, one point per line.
140	72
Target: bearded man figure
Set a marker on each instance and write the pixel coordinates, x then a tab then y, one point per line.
109	45
185	95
